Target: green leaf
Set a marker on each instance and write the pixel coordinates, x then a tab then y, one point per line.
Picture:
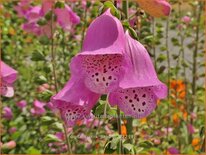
51	138
37	56
100	109
42	22
44	40
161	58
45	95
128	146
32	150
57	126
59	5
48	15
40	79
114	10
46	120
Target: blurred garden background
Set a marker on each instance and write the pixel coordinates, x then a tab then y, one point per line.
41	54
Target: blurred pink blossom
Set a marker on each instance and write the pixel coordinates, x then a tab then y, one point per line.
7	113
173	150
186	19
38	108
9	145
21	104
193	115
12	130
190	128
23	7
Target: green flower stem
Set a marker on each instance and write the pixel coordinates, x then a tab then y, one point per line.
69	150
194	67
168	74
153	43
130	119
54	74
119	131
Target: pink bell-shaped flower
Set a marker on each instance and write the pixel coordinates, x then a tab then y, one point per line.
8	76
140	88
101	60
74	101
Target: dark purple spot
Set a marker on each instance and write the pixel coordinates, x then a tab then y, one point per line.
126	97
130	101
138	99
96	74
97	80
139	110
132	105
143	103
103	78
110	77
144	95
133	91
135	96
107	84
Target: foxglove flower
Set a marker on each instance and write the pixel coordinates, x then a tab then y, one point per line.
186	19
101	60
7	113
74	101
21	104
23	7
66	18
156	8
8	76
140	88
38	108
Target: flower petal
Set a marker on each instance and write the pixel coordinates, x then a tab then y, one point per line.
135	102
142	72
101	60
156	8
74	101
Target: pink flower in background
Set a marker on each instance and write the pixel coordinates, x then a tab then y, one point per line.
7	113
9	145
38	108
186	19
140	87
66	18
12	130
23	7
21	104
173	150
33	14
8	76
190	128
193	115
101	61
46	6
156	8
